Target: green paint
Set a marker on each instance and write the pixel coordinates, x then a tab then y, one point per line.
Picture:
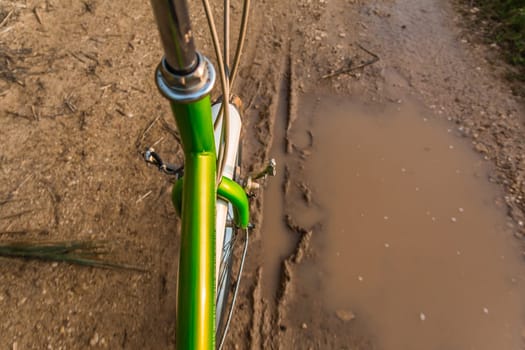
228	190
195	327
234	193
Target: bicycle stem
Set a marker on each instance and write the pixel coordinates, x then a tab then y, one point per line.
174	26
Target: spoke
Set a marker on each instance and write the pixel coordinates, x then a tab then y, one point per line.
237	283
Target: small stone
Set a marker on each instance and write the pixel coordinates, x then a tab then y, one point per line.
342	35
304	326
481	148
453	219
485	311
422	316
345	315
15	345
360	278
387	245
461	210
385	217
94	340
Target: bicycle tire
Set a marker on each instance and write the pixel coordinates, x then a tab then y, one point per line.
223	289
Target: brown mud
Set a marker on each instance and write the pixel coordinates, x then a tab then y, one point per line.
332	89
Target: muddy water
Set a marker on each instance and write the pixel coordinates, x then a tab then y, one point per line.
412	241
277	241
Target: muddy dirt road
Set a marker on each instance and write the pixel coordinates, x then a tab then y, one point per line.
396	220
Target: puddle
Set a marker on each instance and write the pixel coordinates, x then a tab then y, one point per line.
412	241
278	242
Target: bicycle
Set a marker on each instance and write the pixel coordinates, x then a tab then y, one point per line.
208	190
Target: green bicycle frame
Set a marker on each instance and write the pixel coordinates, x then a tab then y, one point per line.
194	197
186	79
196	285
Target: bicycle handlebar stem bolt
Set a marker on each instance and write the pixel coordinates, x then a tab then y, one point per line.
188	87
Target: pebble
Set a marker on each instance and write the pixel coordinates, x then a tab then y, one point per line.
94	340
387	245
304	326
15	345
453	219
360	278
481	148
485	310
345	315
461	210
422	316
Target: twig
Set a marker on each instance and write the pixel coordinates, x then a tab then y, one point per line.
12	216
77	57
6	18
143	197
146	130
75	252
91	57
25	232
369	52
157	142
350	69
6	30
37	15
14	192
69	104
172	131
35	114
254	96
21	184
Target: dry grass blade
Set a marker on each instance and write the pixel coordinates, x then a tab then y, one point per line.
346	70
84	253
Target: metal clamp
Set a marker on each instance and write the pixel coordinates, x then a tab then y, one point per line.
188	87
